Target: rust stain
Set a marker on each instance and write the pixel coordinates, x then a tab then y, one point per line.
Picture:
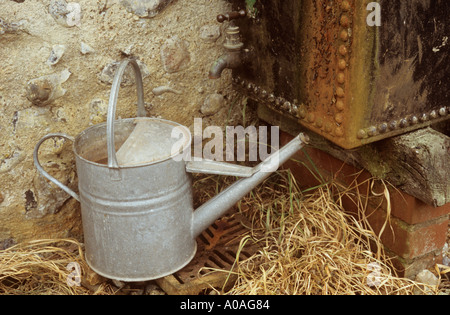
328	35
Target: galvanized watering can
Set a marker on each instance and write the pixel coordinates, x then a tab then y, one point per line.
138	220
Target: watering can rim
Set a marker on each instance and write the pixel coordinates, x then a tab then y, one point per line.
184	129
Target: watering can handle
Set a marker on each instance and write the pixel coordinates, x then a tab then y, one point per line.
112	159
43	172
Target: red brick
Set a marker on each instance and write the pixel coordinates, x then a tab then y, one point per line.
410	268
410	241
412	210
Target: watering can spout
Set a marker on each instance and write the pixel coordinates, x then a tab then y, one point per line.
213	209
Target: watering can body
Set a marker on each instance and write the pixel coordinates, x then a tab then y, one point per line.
138	220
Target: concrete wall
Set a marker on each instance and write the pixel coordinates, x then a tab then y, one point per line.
57	60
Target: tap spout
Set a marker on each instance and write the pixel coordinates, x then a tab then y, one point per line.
230	60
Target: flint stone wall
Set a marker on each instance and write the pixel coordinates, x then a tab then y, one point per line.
57	63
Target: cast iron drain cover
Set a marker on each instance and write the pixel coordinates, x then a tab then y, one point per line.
217	249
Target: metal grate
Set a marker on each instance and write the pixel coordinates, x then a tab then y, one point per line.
217	249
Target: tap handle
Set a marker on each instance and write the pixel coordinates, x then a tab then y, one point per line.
231	16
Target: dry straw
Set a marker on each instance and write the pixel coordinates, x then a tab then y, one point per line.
44	267
311	246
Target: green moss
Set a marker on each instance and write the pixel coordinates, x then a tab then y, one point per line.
251	7
374	162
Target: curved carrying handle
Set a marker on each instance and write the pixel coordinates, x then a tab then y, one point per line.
112	159
47	175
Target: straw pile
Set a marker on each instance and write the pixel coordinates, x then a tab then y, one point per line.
44	267
310	246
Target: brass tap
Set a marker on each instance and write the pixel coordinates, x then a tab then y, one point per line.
233	45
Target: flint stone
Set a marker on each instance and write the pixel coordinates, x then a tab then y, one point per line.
44	90
109	71
13	27
145	8
98	110
65	14
427	277
212	104
56	157
210	33
33	117
56	54
86	49
8	162
50	199
175	55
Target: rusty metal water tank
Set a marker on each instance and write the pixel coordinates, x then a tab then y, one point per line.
352	71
